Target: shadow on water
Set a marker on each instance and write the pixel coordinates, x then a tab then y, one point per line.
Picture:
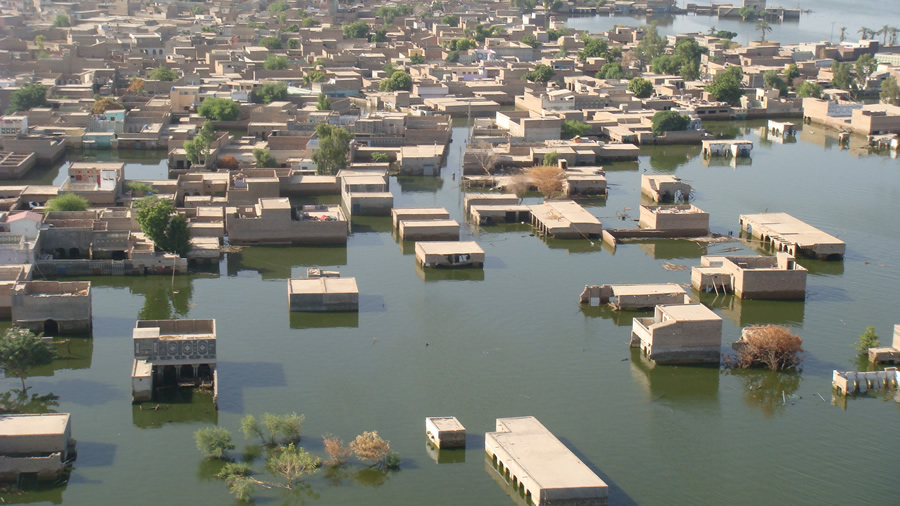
370	224
33	491
275	262
677	386
234	377
770	391
95	454
349	319
86	392
574	246
754	312
622	318
672	249
453	274
74	353
411	184
366	476
446	455
175	405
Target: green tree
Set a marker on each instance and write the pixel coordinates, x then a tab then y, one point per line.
264	158
650	46
161	73
572	128
554	34
726	87
792	72
379	35
156	219
105	104
21	350
39	41
61	21
334	145
771	80
219	109
274	62
450	19
399	80
809	89
763	26
611	70
452	57
27	97
379	157
314	76
200	146
389	69
530	40
551	158
356	30
276	7
641	87
271	43
890	91
669	121
292	463
213	442
251	428
323	103
868	339
593	48
310	22
841	77
747	13
67	202
269	92
540	74
843	30
417	59
866	65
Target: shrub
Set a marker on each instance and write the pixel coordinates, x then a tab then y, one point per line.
213	441
139	188
337	452
67	202
669	121
370	447
228	162
868	339
264	158
548	179
162	74
770	346
379	157
392	461
572	128
105	104
551	158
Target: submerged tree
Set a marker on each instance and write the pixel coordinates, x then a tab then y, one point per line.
213	442
337	451
868	339
370	447
21	350
292	463
548	179
770	346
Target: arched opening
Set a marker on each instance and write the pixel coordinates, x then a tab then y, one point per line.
204	372
59	253
170	377
119	255
74	253
51	328
187	372
196	194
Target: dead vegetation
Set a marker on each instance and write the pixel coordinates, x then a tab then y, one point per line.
548	179
769	346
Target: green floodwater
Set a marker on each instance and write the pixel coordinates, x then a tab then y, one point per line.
512	340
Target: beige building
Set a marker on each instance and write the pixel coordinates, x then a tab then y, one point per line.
323	294
751	277
790	235
35	444
688	333
664	188
53	307
274	221
685	219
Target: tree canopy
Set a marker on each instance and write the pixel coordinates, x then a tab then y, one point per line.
21	350
356	30
276	62
399	80
219	109
572	128
417	59
641	87
771	80
26	97
169	232
270	92
726	87
668	121
264	158
162	74
61	21
105	104
271	43
611	70
323	103
67	202
890	91
331	154
840	76
540	74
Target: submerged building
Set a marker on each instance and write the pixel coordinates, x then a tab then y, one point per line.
688	333
793	236
751	277
39	445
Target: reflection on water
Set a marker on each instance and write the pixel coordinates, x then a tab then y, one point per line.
276	262
674	384
370	224
348	319
175	405
449	274
74	353
668	158
623	318
17	401
753	312
517	495
672	249
411	184
445	456
770	391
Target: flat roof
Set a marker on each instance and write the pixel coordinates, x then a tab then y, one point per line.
690	312
322	285
791	228
430	223
446	423
274	203
567	210
33	424
647	289
449	247
401	211
548	462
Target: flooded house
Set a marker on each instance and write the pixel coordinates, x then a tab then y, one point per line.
445	432
323	294
449	254
792	236
664	188
16	165
98	182
418	214
887	354
852	382
565	219
430	230
683	220
739	148
488	199
53	307
540	466
10	275
637	296
365	193
275	221
751	277
173	352
688	333
35	445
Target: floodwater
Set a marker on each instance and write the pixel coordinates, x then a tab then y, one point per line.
822	23
513	341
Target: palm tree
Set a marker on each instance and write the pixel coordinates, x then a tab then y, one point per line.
763	26
843	29
893	31
864	32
